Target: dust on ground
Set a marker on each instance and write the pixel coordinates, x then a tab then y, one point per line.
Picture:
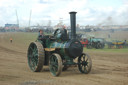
108	69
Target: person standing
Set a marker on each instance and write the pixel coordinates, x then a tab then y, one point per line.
10	40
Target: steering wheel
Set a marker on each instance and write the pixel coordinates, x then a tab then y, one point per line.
57	31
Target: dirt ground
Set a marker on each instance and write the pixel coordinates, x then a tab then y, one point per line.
108	69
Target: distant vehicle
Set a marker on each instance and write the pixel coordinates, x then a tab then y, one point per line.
98	43
116	44
84	42
83	39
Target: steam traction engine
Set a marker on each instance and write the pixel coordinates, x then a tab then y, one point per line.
59	52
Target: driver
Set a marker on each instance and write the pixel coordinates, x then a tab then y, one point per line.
64	35
41	35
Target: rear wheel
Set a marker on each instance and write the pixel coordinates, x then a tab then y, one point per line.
84	63
55	64
36	56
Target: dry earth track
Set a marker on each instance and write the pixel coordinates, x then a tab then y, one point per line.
108	69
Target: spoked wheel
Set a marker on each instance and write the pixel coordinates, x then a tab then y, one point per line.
84	63
35	56
55	64
98	46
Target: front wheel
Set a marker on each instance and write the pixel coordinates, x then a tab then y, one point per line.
55	64
84	63
99	46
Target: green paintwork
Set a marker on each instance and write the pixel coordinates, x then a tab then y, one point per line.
60	45
102	40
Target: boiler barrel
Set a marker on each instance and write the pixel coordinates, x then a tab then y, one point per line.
72	48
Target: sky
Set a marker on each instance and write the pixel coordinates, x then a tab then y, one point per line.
89	12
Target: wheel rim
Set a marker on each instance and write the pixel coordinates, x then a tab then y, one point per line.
33	56
84	63
99	45
55	64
